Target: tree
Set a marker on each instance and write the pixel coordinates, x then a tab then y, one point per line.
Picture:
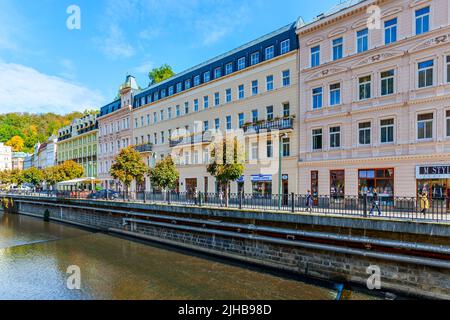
16	177
33	176
160	74
53	175
128	166
71	170
227	163
165	174
16	143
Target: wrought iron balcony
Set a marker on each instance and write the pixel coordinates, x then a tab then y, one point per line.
202	137
148	147
266	125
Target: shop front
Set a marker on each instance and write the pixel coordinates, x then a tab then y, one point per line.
262	185
435	181
381	179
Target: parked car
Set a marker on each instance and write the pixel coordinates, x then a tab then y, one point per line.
104	194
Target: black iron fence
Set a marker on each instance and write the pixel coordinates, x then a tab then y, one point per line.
362	206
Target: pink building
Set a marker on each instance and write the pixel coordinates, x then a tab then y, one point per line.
375	99
114	131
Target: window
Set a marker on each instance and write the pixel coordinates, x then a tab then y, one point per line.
335	137
228	68
269	112
362	39
422	20
155	96
148	119
169	113
163	93
286	110
317	98
205	125
448	69
317	139
206	102
206	76
228	122
228	95
447	120
241	63
255	116
177	110
286	74
365	87
155	118
338	48
186	107
315	56
425	73
335	94
179	87
195	105
254	87
162	137
241	120
269	82
270	52
390	31
387	131
425	126
135	122
285	46
216	99
161	115
387	82
254	151
254	58
217	124
196	80
286	147
269	148
187	84
217	73
364	129
241	91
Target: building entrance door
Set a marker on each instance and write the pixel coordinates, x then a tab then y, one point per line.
191	185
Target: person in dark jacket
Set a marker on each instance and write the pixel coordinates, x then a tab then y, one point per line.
309	202
375	202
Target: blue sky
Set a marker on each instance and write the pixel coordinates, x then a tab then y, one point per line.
44	66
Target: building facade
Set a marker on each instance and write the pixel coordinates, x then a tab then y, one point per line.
374	97
115	132
250	91
78	142
18	160
5	157
45	153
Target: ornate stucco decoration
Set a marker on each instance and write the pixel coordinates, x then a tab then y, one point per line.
378	57
325	73
438	40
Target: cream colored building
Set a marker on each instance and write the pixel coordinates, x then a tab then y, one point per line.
375	99
5	157
252	88
114	127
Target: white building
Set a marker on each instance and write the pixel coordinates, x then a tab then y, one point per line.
5	157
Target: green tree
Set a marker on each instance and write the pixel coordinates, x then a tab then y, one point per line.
227	163
34	176
128	166
53	175
16	177
16	143
160	74
165	174
71	170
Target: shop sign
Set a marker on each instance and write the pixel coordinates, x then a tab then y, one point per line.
285	177
433	172
261	177
241	179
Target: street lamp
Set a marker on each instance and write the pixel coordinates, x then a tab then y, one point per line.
280	178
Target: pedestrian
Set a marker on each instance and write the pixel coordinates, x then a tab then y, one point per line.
375	202
309	201
196	196
424	203
221	197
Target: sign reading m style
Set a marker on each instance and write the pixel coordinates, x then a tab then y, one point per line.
433	172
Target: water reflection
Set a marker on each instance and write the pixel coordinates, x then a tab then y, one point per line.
34	257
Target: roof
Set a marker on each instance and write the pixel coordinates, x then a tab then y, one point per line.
77	181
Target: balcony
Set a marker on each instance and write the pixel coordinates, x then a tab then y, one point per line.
203	137
267	126
148	147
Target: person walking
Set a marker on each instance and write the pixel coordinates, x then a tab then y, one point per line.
221	197
424	203
309	201
196	198
375	202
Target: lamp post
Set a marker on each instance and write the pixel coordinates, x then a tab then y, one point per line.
280	178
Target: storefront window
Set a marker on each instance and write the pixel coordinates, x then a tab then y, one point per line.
381	179
436	188
262	189
337	184
315	183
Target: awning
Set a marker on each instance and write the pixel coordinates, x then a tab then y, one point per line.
78	181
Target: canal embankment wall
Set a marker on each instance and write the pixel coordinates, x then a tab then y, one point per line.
413	256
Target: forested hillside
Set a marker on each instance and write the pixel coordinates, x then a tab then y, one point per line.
31	128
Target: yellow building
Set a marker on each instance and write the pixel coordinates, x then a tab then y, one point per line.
78	142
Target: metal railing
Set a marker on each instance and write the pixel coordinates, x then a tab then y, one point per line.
280	124
147	147
360	206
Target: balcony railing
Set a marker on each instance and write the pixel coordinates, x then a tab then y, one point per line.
279	124
192	139
148	147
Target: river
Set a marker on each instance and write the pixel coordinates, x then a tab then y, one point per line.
35	256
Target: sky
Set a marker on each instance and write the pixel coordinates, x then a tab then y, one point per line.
47	67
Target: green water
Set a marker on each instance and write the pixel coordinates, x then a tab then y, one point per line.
34	257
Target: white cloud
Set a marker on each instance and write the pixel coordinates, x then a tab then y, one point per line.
25	89
145	67
114	44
